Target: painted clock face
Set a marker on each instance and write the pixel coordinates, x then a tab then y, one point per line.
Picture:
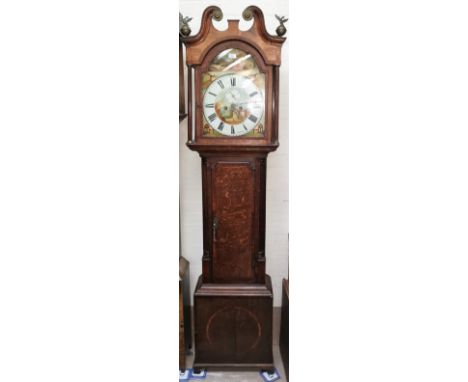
233	92
233	105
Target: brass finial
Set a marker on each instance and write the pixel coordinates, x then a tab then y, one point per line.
184	28
281	30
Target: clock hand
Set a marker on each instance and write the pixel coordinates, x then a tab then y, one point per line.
233	96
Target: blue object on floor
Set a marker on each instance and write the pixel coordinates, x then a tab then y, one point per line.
184	376
270	377
201	375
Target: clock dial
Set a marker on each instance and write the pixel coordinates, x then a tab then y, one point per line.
233	96
233	100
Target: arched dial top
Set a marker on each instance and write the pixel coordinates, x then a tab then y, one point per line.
233	91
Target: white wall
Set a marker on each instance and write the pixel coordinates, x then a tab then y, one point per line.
277	174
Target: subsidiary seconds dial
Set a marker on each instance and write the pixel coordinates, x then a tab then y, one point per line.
233	105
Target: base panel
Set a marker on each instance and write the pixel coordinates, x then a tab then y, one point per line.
233	325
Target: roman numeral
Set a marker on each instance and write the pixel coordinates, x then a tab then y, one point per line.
214	95
209	105
220	83
233	81
252	94
212	117
221	126
232	130
253	118
245	128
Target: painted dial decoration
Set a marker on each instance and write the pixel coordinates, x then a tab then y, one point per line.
233	91
233	105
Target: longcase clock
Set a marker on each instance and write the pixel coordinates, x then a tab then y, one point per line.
233	85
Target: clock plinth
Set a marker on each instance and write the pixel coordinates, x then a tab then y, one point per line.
233	325
233	87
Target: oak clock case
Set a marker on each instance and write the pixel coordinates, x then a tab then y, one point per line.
233	83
